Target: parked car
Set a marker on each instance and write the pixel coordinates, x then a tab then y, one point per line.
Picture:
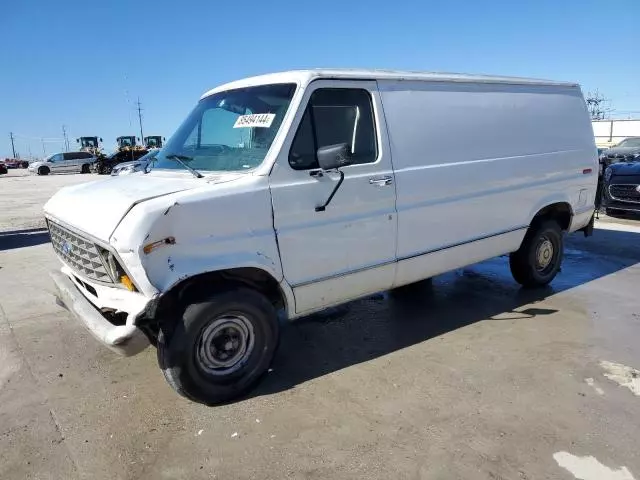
277	197
15	163
3	169
627	150
136	166
67	162
105	165
622	188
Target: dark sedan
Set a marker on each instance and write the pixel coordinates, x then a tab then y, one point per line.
622	188
627	150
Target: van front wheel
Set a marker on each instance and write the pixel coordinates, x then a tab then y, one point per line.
538	260
221	347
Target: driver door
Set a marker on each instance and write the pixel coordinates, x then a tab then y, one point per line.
349	249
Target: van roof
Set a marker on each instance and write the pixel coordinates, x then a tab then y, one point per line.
303	77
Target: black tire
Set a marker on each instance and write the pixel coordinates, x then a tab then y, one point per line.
529	265
43	171
183	358
85	168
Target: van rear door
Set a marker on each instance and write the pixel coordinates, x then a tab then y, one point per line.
349	249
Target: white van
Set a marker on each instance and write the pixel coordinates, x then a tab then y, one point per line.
67	162
284	194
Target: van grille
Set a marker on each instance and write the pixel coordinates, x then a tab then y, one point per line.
625	193
78	253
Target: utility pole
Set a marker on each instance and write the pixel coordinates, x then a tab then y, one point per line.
140	120
66	140
599	106
13	148
44	152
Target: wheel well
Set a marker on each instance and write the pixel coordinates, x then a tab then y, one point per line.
199	287
560	212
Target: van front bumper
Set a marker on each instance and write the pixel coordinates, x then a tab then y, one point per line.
125	340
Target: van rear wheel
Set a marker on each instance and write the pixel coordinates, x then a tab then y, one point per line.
221	347
538	260
85	168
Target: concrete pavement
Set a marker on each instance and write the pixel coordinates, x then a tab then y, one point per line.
469	378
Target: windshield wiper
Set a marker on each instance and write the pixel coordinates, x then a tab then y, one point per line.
182	159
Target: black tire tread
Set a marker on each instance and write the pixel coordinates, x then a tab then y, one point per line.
519	261
175	373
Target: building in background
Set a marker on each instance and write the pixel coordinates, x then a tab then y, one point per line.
611	132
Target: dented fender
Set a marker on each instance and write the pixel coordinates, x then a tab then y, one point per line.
212	228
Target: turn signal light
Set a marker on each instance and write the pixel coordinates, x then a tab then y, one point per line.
150	247
126	281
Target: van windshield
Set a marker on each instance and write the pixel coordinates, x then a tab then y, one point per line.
230	130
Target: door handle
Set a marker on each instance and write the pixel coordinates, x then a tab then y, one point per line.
381	181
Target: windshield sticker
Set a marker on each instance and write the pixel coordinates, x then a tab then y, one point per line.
263	120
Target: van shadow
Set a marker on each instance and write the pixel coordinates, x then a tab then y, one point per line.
23	238
380	324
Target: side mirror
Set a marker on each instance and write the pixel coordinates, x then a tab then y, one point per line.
101	139
333	157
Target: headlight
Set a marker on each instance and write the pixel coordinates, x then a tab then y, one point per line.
607	174
116	272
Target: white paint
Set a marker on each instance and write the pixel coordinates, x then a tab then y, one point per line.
589	468
263	120
454	195
624	376
592	384
304	77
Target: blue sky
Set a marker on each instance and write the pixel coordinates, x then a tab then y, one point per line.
83	64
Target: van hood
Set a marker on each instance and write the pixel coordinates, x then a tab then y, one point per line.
98	207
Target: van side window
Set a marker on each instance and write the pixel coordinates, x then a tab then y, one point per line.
335	115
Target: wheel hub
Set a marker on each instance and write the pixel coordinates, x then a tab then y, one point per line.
224	345
544	253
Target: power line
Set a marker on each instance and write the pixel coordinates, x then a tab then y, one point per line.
599	106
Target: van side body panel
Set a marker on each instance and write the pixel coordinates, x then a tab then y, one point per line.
475	162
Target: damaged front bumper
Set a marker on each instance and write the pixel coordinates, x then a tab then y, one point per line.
125	339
